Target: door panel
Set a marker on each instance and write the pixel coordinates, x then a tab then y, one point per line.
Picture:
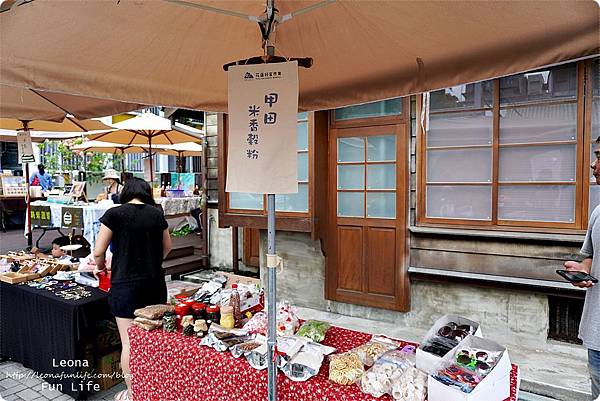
350	255
381	261
367	201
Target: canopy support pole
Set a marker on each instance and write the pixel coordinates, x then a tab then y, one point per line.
28	217
28	195
272	299
271	263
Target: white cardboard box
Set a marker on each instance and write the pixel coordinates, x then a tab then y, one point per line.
428	362
494	387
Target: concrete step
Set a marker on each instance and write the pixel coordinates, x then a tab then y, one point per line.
549	391
525	396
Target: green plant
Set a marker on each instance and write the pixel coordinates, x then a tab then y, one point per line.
58	156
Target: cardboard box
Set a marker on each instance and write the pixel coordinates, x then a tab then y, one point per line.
236	279
494	387
108	368
428	362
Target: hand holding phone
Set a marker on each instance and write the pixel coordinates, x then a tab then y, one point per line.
576	275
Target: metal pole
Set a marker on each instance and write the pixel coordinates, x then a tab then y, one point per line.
271	267
272	299
28	217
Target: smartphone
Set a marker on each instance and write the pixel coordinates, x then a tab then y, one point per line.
576	277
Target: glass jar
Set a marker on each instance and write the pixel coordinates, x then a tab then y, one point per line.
199	311
181	310
227	319
169	322
212	314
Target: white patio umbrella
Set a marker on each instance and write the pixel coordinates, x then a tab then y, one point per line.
180	150
146	129
107	147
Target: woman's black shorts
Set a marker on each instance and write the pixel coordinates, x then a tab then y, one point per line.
124	298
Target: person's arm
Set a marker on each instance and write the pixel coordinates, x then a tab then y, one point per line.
49	181
102	242
167	243
38	254
585	266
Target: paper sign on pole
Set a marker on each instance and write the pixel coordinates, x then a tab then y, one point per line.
263	114
25	148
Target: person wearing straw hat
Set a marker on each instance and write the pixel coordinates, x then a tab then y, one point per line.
112	186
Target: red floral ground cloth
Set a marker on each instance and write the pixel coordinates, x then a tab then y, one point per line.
171	367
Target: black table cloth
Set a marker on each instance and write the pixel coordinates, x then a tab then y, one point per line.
42	331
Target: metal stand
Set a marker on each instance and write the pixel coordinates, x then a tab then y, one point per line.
272	298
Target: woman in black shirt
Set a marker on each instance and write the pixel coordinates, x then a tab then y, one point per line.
140	241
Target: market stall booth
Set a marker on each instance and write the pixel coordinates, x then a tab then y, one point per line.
197	349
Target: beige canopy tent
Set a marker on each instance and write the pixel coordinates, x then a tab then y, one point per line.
363	50
30	105
68	125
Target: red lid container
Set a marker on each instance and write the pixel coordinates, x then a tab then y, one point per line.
189	302
182	309
198	306
212	309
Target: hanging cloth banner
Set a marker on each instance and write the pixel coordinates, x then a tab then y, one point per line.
263	115
25	148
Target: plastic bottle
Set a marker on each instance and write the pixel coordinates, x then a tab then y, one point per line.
227	320
234	302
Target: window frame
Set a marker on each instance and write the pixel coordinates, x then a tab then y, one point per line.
583	134
257	218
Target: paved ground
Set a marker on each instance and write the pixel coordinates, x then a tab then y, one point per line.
20	384
14	239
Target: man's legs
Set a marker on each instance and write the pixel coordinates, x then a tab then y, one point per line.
594	366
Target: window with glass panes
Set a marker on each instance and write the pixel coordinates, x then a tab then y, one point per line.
366	177
507	151
295	203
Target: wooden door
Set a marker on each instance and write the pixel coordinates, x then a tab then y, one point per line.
368	207
251	240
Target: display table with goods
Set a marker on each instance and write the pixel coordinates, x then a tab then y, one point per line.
178	205
179	352
170	366
79	216
55	328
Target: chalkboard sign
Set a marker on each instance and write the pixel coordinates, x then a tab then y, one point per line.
41	216
72	217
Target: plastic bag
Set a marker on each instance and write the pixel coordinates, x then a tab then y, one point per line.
314	330
386	371
257	324
372	350
144	324
411	386
345	369
244	348
287	321
154	312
